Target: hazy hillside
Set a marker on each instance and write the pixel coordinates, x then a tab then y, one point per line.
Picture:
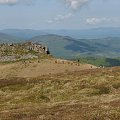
56	44
67	47
85	33
23	33
5	38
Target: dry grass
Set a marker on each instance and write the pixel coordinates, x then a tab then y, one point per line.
33	68
81	95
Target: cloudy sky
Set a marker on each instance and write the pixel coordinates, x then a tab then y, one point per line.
59	14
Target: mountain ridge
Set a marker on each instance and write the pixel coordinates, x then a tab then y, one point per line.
68	47
62	46
6	38
75	33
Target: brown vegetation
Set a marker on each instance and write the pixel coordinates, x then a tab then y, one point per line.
73	95
35	68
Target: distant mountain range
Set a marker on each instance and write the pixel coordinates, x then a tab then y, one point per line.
70	43
88	33
6	38
23	33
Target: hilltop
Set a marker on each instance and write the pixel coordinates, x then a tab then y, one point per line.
33	59
22	51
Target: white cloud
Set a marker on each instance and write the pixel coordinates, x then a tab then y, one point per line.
60	18
95	21
75	4
63	17
14	2
9	2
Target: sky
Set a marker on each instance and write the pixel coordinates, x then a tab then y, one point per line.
59	14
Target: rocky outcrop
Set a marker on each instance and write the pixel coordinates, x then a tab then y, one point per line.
16	51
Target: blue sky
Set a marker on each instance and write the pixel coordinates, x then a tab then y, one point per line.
59	14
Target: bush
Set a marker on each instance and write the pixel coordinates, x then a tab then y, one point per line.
103	89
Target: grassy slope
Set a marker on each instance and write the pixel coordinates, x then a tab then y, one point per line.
101	61
84	95
36	67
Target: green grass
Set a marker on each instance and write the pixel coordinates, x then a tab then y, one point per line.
100	61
